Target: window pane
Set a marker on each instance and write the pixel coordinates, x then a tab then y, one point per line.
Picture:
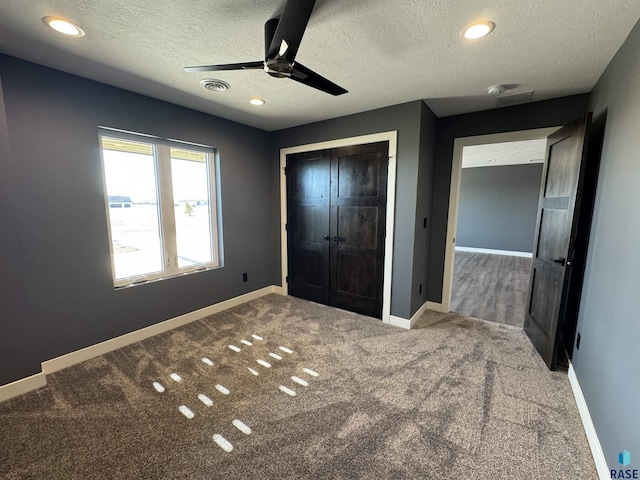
130	172
191	202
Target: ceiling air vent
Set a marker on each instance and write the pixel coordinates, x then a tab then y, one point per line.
514	99
214	85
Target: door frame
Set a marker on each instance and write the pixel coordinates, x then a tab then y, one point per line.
454	194
391	137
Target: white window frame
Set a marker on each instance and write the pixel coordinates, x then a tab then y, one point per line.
167	222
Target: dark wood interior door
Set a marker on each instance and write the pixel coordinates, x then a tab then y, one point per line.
336	225
558	211
358	225
308	208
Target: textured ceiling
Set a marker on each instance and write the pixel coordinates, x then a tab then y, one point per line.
506	153
383	52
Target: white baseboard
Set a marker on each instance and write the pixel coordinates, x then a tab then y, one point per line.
587	423
73	358
408	323
277	289
399	322
419	312
491	251
21	386
437	307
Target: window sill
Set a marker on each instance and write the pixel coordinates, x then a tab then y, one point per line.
145	281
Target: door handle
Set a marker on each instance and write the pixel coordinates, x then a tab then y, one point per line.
561	261
326	238
338	239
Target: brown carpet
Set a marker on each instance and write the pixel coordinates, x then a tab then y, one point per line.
454	398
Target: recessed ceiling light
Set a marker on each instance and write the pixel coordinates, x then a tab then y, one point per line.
63	26
479	30
256	101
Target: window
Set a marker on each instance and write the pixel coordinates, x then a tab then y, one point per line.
161	206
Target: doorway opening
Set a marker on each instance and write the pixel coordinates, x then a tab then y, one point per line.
387	262
488	256
497	209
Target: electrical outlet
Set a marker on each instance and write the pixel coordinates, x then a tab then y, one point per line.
245	277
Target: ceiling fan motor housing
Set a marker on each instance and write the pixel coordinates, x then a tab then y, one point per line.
278	67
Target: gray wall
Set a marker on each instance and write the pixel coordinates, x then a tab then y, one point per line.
608	359
548	113
406	119
53	184
498	207
423	208
18	351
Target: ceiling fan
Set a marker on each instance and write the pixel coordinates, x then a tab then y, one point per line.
282	37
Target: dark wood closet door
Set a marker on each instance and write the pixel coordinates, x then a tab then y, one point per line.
308	208
358	222
336	221
553	256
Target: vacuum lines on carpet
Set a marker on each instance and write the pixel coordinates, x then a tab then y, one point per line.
189	413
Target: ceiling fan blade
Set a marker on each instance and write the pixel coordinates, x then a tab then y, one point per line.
269	31
291	27
228	66
310	78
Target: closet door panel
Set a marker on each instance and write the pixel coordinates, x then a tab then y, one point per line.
308	207
358	221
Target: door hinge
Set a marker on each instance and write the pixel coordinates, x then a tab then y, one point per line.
286	227
286	279
286	170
